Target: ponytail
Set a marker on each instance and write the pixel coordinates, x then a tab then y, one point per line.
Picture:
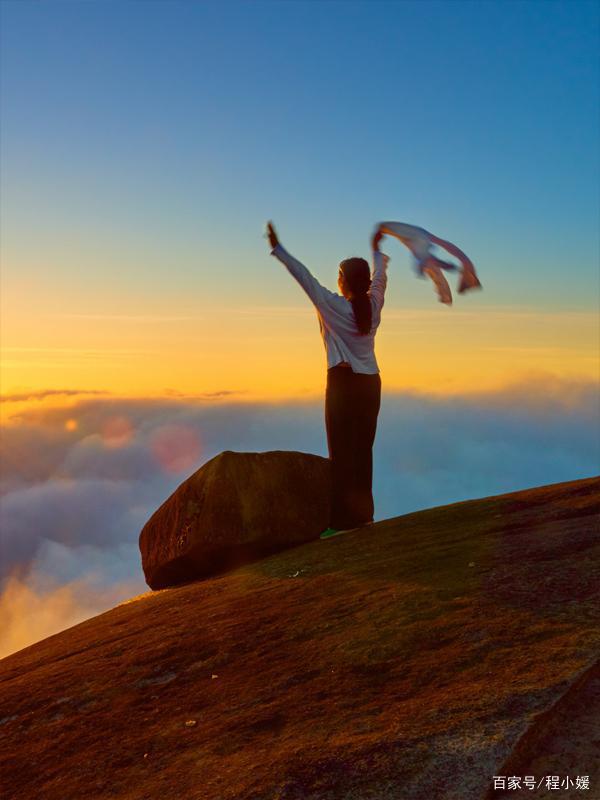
361	305
358	279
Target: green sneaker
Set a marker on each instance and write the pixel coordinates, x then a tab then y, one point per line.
335	532
329	532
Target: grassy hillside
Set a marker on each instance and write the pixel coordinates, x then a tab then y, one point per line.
409	660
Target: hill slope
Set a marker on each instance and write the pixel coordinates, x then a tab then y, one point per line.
413	660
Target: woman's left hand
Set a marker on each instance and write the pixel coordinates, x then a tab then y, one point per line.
377	237
272	236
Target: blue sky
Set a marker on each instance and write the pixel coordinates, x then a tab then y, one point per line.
156	138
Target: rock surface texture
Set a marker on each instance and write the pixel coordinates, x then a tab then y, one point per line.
415	659
236	508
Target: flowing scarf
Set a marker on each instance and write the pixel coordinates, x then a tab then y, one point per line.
419	242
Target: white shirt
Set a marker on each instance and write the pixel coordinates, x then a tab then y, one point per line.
338	327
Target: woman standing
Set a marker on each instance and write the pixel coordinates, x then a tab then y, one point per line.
348	323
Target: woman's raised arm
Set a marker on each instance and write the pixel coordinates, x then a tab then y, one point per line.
379	274
317	293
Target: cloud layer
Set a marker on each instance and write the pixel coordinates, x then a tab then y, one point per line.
78	483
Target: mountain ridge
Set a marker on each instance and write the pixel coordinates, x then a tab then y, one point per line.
409	659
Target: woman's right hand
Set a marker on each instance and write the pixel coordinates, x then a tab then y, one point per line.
271	235
377	237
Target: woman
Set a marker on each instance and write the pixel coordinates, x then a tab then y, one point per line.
348	324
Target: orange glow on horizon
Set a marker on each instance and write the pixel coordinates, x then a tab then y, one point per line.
263	355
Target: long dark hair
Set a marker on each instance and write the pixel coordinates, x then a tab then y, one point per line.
358	279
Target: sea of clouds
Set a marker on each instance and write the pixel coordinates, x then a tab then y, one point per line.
77	483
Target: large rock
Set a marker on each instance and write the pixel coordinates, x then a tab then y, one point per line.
236	508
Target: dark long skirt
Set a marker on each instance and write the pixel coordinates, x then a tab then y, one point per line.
352	402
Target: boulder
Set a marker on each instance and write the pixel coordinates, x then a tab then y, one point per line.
236	508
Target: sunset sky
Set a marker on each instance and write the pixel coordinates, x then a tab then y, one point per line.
144	146
144	324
